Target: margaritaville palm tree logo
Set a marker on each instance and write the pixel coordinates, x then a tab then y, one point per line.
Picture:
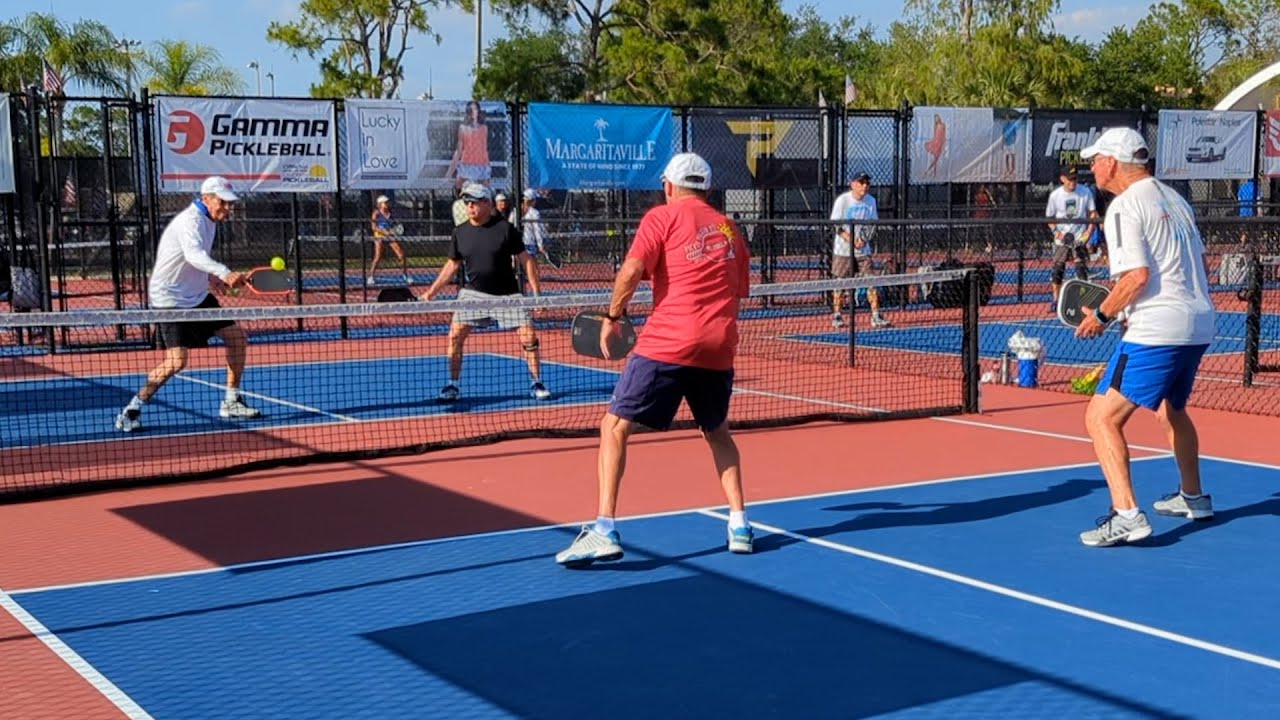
601	124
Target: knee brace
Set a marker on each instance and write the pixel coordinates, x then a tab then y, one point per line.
531	346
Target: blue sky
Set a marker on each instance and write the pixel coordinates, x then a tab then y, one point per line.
237	29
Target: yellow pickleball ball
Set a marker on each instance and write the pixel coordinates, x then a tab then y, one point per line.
277	263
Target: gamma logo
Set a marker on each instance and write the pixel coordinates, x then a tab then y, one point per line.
186	132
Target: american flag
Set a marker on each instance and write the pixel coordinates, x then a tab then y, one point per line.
52	80
850	91
69	193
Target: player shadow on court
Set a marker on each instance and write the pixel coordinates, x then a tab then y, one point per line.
517	399
1262	508
879	515
650	561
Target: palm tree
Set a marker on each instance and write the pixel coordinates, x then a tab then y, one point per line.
84	52
178	67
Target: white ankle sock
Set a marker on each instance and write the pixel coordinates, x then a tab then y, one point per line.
232	395
135	404
737	518
604	525
1192	497
1129	514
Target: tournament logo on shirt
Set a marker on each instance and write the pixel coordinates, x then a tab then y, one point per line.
714	243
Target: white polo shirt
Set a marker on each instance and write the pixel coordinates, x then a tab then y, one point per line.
180	278
1150	225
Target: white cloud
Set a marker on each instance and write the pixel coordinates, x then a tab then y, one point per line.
1094	23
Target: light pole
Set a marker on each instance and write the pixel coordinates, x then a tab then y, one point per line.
479	42
257	73
272	77
126	48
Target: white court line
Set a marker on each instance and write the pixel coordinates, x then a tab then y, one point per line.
537	528
1016	594
1164	452
89	673
270	399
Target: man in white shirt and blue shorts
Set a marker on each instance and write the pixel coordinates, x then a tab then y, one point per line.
180	280
1161	283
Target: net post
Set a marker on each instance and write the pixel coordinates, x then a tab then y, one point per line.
969	340
852	295
1253	320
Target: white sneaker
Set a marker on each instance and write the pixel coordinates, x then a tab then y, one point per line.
837	321
880	322
590	546
449	393
539	391
237	409
370	281
1200	508
129	420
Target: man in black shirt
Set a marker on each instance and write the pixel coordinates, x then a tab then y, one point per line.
483	248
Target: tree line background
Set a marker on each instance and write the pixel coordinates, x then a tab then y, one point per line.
1187	53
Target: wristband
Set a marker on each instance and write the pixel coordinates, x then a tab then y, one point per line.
1101	317
615	318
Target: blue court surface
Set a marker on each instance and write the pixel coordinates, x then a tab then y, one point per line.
964	599
1058	340
79	409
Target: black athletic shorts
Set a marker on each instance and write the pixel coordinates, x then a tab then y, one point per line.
191	334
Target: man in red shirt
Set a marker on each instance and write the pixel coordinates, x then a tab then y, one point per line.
698	263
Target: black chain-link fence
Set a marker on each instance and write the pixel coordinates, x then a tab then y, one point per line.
80	232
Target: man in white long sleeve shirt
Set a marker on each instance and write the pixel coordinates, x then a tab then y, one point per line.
180	280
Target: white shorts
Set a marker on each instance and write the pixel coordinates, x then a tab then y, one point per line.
507	319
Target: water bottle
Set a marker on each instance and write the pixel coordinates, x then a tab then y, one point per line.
1004	368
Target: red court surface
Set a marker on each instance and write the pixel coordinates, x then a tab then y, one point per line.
291	512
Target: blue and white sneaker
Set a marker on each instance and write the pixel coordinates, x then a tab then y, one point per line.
591	546
741	539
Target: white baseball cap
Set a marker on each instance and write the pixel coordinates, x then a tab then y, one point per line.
1122	143
476	191
220	186
530	194
688	170
382	199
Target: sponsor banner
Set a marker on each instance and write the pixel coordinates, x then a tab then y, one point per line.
756	150
259	145
7	184
968	145
1271	145
1206	145
1058	137
599	146
433	144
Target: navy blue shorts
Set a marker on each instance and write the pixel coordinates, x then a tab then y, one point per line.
649	392
1147	375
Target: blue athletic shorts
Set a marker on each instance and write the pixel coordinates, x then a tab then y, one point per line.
649	392
1146	375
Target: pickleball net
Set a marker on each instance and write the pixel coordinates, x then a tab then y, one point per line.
337	382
